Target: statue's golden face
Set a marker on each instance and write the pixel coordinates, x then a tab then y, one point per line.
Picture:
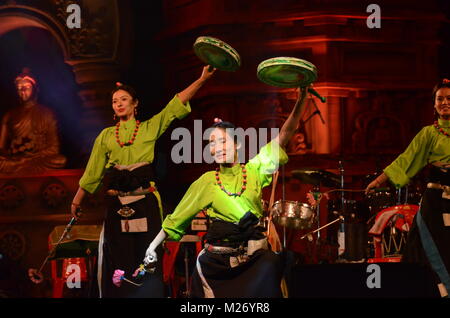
25	90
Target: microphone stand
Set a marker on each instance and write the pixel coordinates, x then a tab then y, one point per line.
316	112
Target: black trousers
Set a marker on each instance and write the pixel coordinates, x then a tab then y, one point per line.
432	208
126	251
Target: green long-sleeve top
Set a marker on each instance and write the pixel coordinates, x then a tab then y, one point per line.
205	193
428	146
106	152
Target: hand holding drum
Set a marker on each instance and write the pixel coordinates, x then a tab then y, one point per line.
217	54
288	72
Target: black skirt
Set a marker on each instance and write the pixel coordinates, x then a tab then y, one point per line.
214	276
126	251
432	207
259	277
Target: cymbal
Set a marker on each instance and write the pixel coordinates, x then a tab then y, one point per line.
317	177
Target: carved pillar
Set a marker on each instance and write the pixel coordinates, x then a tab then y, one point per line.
96	80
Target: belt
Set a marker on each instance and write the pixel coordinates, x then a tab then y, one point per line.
250	249
224	249
441	165
136	192
439	186
151	189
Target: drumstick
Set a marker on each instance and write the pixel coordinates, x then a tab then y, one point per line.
272	196
358	190
36	275
340	218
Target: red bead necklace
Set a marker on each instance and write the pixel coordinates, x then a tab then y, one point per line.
130	142
244	182
441	130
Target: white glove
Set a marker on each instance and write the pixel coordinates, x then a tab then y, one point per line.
150	254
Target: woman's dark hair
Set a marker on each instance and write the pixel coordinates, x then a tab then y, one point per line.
223	124
226	125
444	83
130	90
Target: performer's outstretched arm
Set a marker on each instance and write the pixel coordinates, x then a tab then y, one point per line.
290	125
382	178
190	91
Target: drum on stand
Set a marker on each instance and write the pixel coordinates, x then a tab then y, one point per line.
293	214
355	213
390	231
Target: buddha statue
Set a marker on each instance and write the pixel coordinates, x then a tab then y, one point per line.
29	141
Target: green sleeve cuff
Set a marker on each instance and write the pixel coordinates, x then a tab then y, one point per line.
271	156
396	176
179	109
283	157
89	187
172	233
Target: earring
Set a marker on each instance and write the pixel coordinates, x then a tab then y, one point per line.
114	117
135	111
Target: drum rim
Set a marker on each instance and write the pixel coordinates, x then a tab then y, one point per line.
285	201
296	59
289	61
203	41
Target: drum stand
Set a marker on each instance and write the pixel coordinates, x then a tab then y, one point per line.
341	172
316	189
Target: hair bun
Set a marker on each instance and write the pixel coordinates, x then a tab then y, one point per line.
217	120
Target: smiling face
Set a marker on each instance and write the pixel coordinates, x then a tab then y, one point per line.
442	102
222	147
123	104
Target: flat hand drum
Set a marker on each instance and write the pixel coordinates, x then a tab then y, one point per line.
287	72
217	53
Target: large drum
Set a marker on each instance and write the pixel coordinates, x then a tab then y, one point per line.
217	53
390	230
293	214
287	72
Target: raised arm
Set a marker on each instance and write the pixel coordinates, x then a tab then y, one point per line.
290	125
190	91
